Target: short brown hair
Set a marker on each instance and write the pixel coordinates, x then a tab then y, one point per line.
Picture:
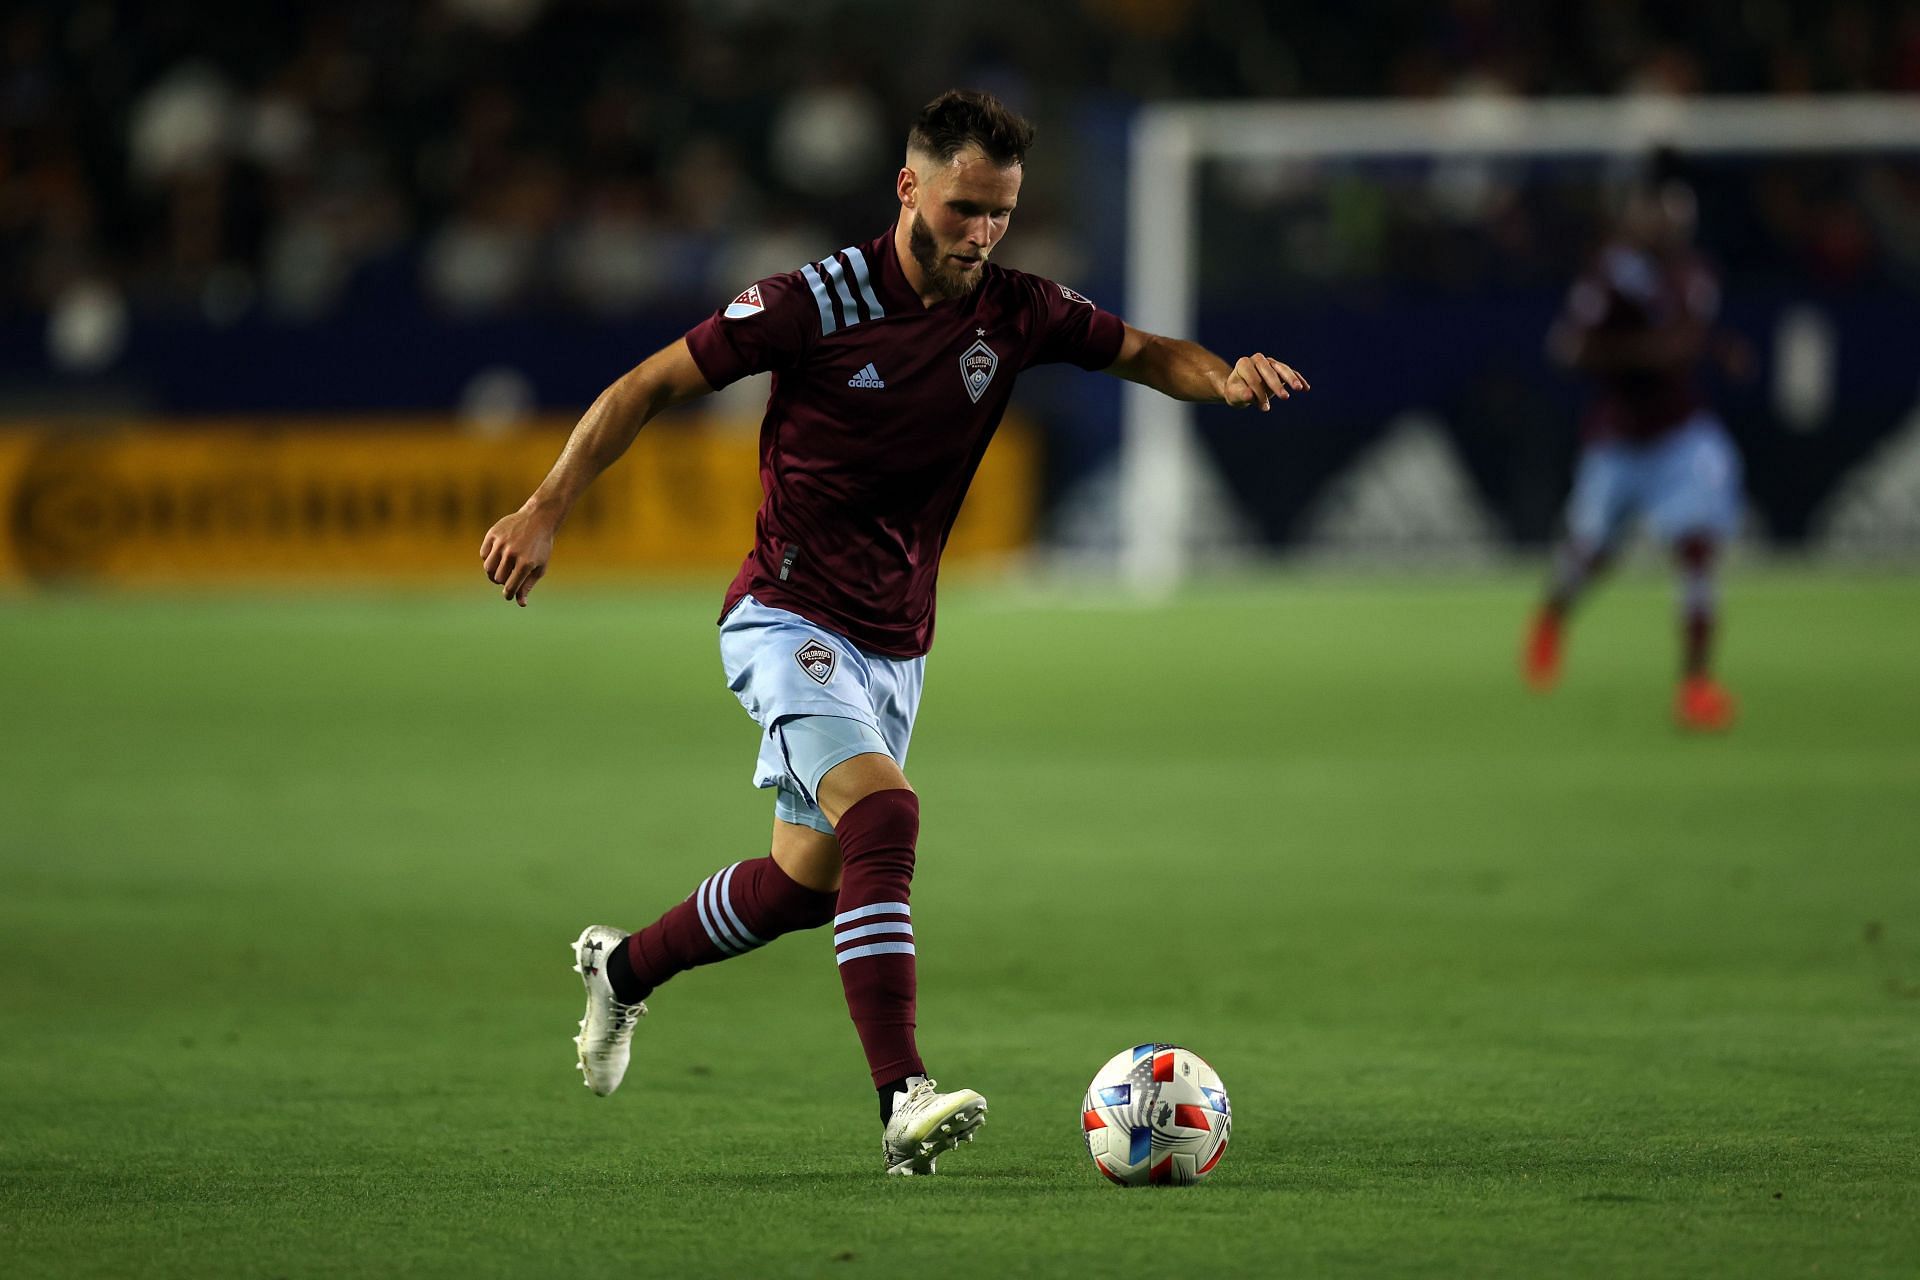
961	116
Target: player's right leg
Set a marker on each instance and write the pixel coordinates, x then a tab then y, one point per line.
1576	565
1602	496
739	908
735	910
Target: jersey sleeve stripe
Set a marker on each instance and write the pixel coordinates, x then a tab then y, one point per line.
842	291
827	322
868	299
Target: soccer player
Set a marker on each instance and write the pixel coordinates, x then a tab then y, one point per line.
893	361
1638	324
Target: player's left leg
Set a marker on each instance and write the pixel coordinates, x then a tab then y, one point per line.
1701	702
876	816
1696	507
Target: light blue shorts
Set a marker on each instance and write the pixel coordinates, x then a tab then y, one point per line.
784	668
1685	482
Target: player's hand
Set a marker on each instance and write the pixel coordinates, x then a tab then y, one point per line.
515	553
1258	379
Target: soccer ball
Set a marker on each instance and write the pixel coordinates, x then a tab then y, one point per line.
1157	1115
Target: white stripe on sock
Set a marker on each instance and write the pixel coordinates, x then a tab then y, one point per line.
724	895
869	930
877	909
716	902
875	949
715	931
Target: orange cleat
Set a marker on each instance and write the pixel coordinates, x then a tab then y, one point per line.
1702	706
1540	660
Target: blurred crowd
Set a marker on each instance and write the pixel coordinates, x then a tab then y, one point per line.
595	155
1821	224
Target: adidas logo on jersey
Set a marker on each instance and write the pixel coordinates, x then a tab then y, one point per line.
867	377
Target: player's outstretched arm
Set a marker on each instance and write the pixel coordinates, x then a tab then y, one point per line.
1188	371
516	550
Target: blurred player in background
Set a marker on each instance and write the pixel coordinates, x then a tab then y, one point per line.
893	362
1638	324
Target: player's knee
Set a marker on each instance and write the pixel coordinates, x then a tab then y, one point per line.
810	858
1695	551
853	780
1594	554
881	827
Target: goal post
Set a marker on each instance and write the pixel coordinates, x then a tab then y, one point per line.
1161	463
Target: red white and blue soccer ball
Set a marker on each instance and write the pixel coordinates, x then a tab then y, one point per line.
1156	1115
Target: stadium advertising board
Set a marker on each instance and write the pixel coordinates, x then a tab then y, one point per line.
301	501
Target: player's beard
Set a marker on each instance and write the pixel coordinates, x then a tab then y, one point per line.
947	280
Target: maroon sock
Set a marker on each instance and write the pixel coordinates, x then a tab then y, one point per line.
1695	555
1574	569
873	928
1698	645
734	910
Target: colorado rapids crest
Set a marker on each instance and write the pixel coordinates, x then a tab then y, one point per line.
816	660
978	364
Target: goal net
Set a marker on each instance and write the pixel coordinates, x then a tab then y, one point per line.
1409	258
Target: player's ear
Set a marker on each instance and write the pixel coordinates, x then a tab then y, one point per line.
907	186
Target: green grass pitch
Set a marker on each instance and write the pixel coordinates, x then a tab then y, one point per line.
1500	985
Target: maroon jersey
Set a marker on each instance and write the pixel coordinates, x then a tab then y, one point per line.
1630	291
881	410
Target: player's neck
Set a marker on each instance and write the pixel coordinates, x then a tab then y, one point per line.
910	266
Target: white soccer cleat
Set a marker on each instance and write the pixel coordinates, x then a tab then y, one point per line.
607	1030
927	1122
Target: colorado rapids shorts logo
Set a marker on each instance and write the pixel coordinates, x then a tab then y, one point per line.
816	660
978	364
